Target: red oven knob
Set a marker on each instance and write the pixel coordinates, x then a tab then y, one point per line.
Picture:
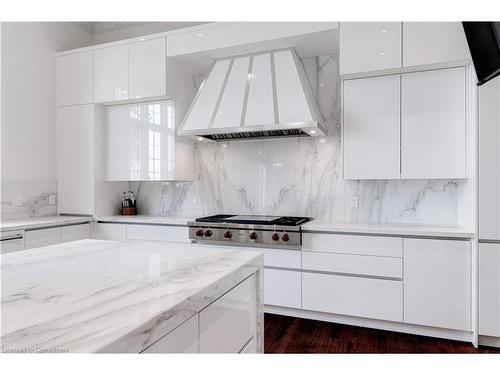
208	233
275	236
253	236
199	233
285	237
228	234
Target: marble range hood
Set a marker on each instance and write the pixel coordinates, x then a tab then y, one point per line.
261	95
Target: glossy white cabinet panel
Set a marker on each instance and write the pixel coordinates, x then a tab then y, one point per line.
278	257
353	264
353	244
291	99
489	289
207	97
437	277
111	74
433	43
433	127
75	161
42	237
229	323
112	232
371	126
12	241
282	288
141	144
158	233
230	110
147	68
75	79
356	296
260	108
75	232
369	46
489	160
183	339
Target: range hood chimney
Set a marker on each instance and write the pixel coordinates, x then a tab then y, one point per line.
254	96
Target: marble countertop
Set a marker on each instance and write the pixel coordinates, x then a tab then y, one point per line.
388	228
42	222
146	219
110	296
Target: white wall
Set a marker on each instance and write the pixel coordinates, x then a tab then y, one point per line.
28	102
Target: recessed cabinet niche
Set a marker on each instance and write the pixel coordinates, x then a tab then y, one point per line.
141	144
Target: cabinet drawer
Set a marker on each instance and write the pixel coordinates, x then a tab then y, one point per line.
75	232
279	258
364	297
355	264
282	288
183	339
228	323
157	233
113	232
351	244
42	237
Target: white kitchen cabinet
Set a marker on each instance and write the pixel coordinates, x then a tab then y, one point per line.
437	283
75	159
356	296
147	68
168	233
107	231
75	232
371	116
369	46
111	74
75	79
183	339
489	289
433	124
282	288
141	144
229	323
42	237
489	160
427	43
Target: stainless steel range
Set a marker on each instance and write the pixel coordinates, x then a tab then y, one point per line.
248	230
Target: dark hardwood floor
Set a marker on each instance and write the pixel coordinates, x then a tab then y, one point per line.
284	334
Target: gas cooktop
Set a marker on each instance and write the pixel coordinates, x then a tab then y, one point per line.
254	219
249	230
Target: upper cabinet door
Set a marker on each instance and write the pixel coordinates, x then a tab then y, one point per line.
369	46
433	43
489	160
75	165
433	131
75	79
111	74
147	68
371	128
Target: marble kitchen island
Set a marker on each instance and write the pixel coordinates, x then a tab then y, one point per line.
108	296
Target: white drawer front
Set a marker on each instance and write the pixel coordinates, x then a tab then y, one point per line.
158	233
75	232
42	237
282	288
357	296
352	244
228	323
112	232
279	258
354	264
183	339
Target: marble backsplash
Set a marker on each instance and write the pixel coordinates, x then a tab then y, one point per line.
34	196
297	176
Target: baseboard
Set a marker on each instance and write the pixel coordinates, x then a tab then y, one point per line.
489	341
443	333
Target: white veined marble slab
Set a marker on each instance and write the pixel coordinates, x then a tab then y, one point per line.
92	295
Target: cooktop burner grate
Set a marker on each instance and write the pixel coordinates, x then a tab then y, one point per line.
255	219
